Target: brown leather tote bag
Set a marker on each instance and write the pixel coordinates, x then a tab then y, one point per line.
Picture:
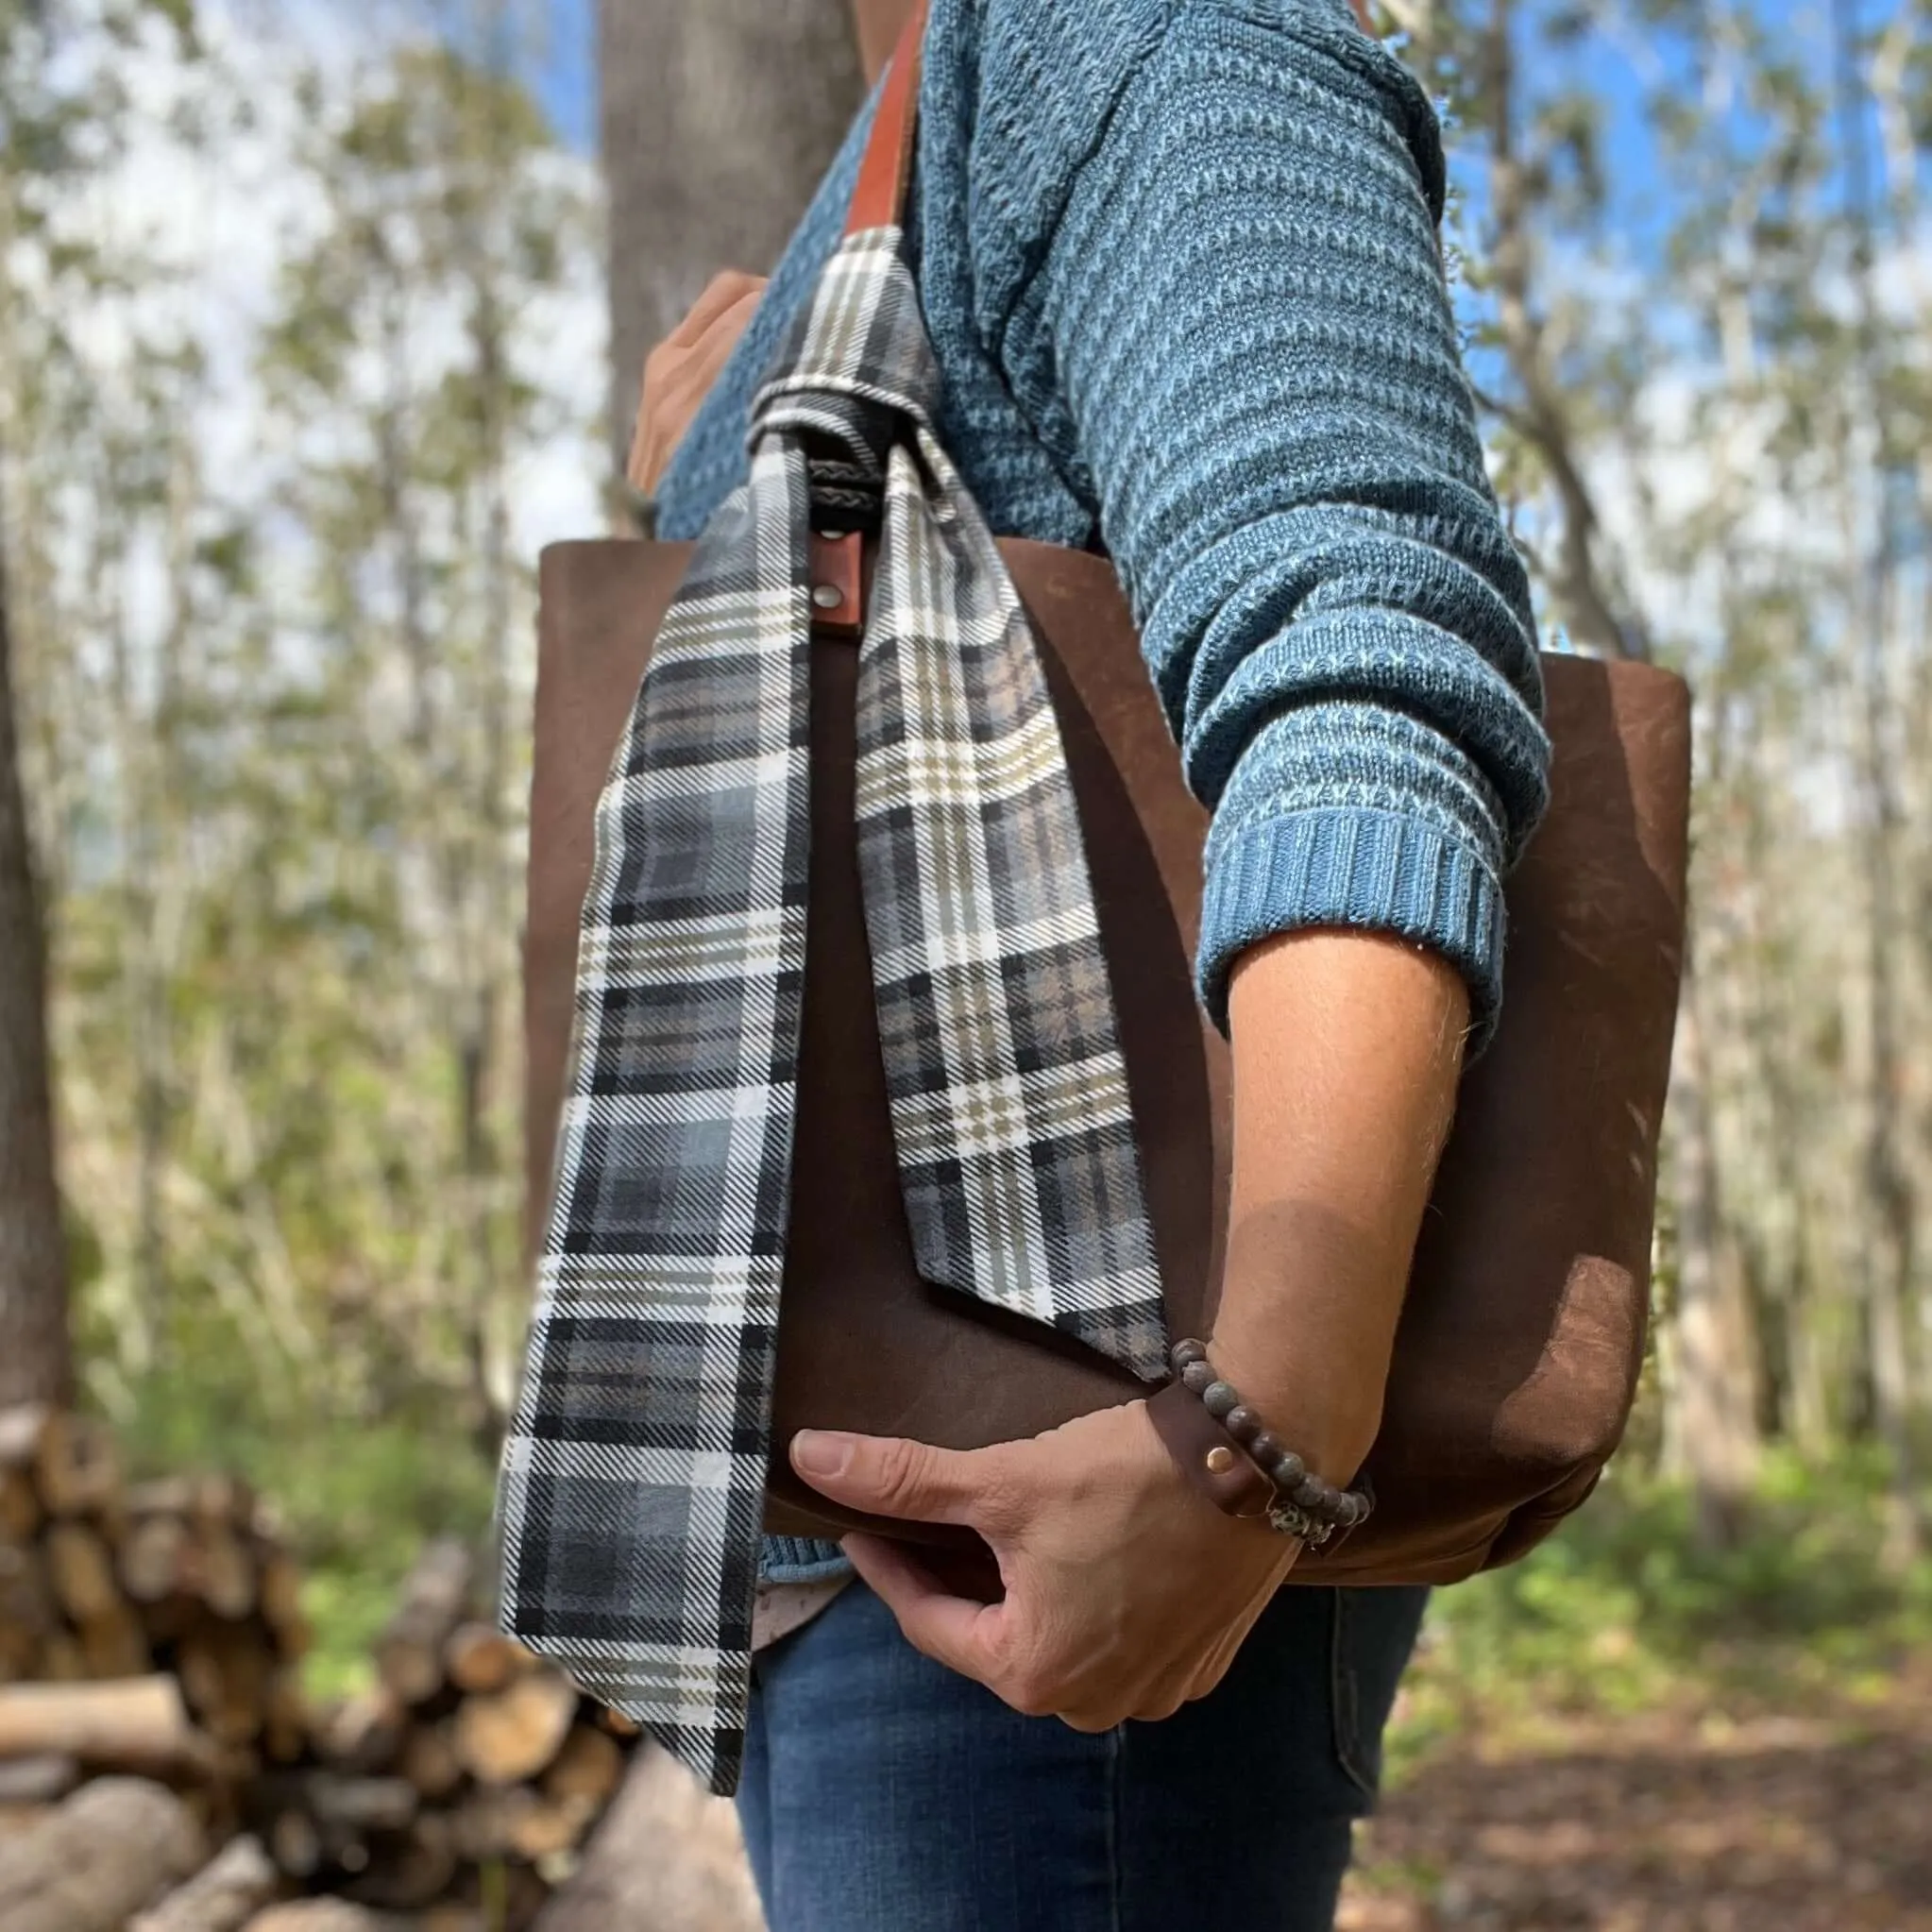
1522	1332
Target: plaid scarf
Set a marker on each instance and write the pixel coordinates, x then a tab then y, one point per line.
633	1480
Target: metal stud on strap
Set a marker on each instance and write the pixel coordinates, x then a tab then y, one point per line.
837	581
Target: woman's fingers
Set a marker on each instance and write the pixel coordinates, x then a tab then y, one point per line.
1124	1594
889	1476
679	372
987	1642
1221	1654
724	291
953	1631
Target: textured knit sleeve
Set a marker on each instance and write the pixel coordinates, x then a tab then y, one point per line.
1247	326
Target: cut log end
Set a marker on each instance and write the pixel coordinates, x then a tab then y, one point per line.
591	1765
44	1779
222	1897
136	1723
54	1878
513	1734
409	1653
77	1468
150	1637
480	1658
323	1915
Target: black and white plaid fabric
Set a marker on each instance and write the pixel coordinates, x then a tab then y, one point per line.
633	1480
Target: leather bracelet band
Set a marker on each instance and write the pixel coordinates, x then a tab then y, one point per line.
1207	1457
1213	1457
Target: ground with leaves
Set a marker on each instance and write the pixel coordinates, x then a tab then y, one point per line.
1633	1731
1664	1823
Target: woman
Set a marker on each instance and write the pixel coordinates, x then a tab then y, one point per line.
1177	260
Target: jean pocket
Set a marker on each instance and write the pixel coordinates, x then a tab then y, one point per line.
1372	1635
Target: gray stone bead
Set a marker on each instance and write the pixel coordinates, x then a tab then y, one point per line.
1198	1377
1311	1493
1265	1447
1286	1471
1186	1353
1241	1423
1218	1398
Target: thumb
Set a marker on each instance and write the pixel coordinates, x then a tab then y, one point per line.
889	1476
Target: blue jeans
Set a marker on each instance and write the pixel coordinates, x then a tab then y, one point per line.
883	1793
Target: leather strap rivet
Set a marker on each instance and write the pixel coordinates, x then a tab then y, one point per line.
827	596
1302	1506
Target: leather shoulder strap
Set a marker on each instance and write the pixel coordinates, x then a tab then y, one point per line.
879	199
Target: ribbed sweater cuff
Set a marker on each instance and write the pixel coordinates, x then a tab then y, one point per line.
799	1560
1373	870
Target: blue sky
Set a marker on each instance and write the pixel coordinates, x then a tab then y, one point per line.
569	82
1640	195
567	86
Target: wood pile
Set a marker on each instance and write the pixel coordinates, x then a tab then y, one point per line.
106	1582
467	1756
99	1859
150	1647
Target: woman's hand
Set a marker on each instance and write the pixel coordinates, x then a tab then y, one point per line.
1127	1593
679	372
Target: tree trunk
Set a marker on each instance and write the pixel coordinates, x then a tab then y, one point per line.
1716	1407
879	24
718	122
1873	586
1598	617
36	1357
1892	1210
493	890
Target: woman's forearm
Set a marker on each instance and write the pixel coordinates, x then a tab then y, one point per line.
1347	1048
1249	326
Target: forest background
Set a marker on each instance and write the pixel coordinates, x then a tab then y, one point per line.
314	325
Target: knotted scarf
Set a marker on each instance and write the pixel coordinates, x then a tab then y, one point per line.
632	1480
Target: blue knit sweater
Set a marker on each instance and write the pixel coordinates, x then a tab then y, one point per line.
1179	266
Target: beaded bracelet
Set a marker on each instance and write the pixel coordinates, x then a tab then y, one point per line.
1304	1505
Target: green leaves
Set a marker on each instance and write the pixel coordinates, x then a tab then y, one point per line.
279	637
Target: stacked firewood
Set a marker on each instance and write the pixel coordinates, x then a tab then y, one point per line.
150	1646
158	1621
466	1757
